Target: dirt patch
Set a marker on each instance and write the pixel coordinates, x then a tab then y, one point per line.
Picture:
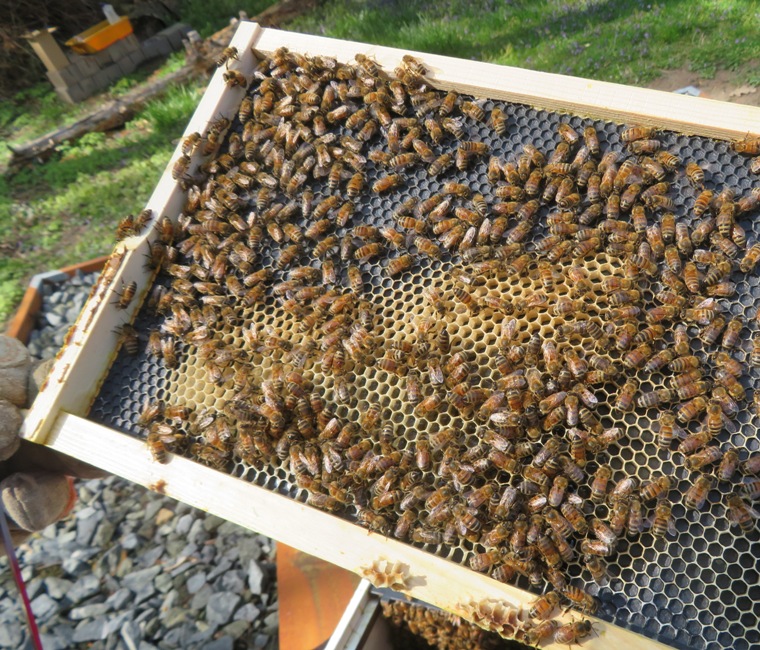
726	85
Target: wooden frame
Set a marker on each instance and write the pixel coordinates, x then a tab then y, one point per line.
56	418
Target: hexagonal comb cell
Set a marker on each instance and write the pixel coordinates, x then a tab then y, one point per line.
364	388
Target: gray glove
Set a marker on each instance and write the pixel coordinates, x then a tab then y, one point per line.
36	483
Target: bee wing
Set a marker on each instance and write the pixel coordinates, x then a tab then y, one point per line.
679	431
574	499
729	424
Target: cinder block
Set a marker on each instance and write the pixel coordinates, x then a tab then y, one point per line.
87	87
118	50
137	57
106	77
71	94
156	46
175	33
126	65
102	59
85	65
67	76
131	43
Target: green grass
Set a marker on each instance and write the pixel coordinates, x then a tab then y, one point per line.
66	211
209	16
624	41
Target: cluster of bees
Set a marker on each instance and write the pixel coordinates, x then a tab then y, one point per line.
435	628
273	221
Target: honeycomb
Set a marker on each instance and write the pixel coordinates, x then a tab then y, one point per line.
695	590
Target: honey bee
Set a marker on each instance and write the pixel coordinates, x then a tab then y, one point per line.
600	483
235	78
544	606
484	561
663	520
751	466
397	265
127	294
696	495
750	259
728	465
749	146
740	514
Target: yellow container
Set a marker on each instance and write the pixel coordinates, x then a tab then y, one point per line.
100	36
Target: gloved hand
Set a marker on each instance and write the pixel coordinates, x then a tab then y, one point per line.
36	483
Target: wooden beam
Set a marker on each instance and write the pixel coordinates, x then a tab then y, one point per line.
430	578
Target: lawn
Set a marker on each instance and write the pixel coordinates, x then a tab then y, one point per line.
66	210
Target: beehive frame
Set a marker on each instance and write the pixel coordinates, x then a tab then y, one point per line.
56	417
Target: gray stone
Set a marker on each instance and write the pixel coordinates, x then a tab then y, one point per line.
130	541
221	567
150	556
64	633
57	587
197	535
163	582
119	598
88	611
195	582
75	566
221	606
256	577
138	579
131	635
182	527
175	616
261	641
115	623
271	622
170	600
200	599
54	319
89	630
44	607
86	529
212	522
248	612
83	588
11	634
51	642
228	528
248	549
231	581
103	534
236	629
145	592
225	643
144	645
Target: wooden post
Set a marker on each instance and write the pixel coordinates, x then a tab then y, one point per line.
47	49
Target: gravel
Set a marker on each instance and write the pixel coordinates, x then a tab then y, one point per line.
131	569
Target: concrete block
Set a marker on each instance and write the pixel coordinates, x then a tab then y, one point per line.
137	57
175	33
131	44
70	94
118	50
106	77
102	59
67	76
126	65
85	65
87	87
156	46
